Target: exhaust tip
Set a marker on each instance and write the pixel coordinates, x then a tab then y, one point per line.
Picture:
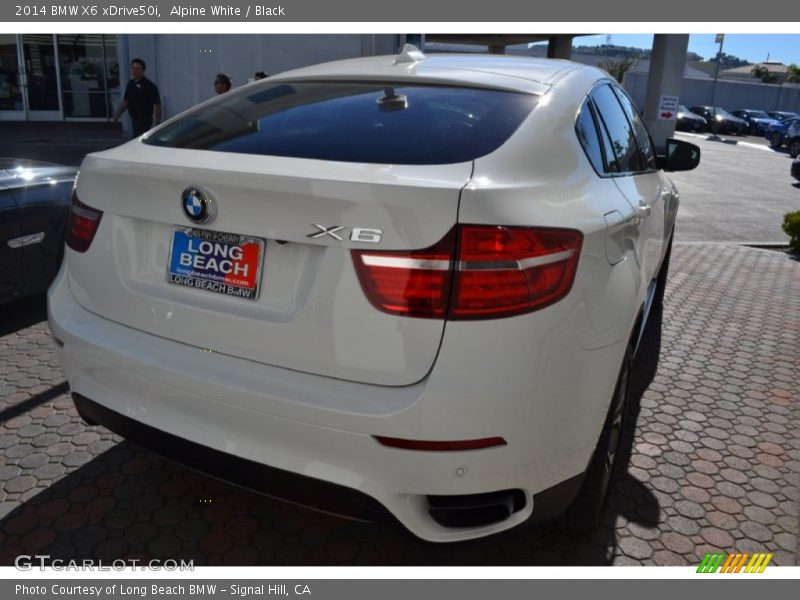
475	510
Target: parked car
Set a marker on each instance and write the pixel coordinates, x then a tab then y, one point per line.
793	139
776	133
721	121
782	115
757	120
34	204
795	169
689	121
260	286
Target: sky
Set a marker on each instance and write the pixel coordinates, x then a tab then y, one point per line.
754	48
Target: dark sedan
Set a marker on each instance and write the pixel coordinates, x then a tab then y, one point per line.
757	120
34	206
720	120
688	121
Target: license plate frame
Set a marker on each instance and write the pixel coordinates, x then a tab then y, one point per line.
207	261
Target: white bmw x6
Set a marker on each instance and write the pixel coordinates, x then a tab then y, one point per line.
399	286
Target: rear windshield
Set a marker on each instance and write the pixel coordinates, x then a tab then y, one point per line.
388	123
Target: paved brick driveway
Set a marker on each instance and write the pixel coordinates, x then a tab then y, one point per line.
713	462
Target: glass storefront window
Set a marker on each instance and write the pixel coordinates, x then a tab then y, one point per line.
10	93
49	77
41	72
112	64
89	69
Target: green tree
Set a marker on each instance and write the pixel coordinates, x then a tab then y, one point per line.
762	73
793	75
617	67
728	61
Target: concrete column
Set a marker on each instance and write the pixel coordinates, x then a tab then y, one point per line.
497	48
367	45
559	46
124	57
665	79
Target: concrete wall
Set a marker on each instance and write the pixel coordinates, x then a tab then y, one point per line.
730	95
184	66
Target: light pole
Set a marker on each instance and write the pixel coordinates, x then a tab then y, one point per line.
720	39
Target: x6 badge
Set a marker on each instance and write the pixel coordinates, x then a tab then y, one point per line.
363	235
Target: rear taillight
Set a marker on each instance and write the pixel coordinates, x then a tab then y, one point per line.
413	284
497	272
504	271
83	223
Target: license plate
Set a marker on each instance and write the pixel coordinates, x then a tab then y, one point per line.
225	263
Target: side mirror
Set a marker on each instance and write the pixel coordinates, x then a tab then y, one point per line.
680	156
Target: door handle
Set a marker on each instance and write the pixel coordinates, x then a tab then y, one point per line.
643	210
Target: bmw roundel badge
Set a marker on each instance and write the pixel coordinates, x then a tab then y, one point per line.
197	206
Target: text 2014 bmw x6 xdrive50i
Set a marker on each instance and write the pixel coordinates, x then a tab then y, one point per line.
407	285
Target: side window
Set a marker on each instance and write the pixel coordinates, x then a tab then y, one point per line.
648	157
623	139
612	166
587	134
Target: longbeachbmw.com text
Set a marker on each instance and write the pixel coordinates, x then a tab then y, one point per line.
148	11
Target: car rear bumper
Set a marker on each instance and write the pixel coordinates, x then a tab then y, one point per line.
283	485
319	433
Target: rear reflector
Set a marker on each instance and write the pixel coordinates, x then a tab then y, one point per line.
474	272
83	223
446	446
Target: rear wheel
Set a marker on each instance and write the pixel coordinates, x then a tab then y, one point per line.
585	512
775	140
794	147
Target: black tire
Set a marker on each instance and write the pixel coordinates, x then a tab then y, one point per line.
775	140
794	147
585	512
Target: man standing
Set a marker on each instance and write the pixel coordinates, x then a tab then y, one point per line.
141	99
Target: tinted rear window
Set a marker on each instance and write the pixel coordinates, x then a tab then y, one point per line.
353	122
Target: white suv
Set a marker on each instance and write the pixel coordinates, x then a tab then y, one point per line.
396	285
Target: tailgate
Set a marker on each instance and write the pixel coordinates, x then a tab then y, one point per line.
310	313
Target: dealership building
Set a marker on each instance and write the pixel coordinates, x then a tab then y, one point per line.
80	77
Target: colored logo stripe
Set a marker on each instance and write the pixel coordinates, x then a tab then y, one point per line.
741	562
733	563
758	563
711	563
